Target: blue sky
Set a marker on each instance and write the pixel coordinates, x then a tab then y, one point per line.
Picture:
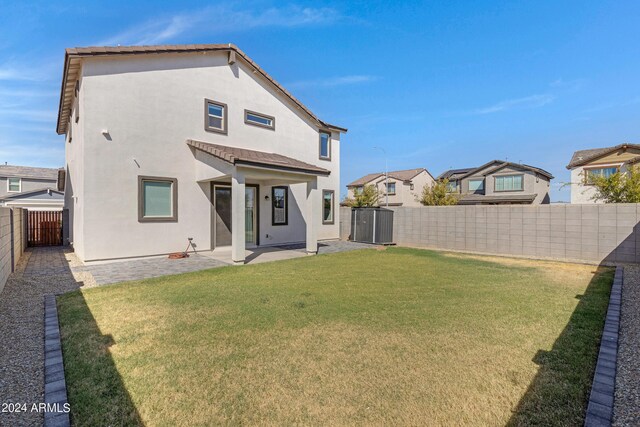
437	84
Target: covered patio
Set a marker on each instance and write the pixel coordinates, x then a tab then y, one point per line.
232	173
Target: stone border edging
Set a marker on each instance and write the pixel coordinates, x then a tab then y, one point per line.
55	388
600	408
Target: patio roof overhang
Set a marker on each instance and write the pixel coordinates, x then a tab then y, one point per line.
254	164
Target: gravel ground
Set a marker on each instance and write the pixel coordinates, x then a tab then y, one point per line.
626	410
22	332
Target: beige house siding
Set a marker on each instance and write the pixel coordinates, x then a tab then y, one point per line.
404	195
533	183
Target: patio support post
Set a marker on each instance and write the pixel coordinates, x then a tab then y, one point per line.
312	216
237	218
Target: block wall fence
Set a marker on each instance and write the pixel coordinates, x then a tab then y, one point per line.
605	233
12	241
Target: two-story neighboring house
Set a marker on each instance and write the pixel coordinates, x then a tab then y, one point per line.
604	161
166	143
30	187
499	182
404	187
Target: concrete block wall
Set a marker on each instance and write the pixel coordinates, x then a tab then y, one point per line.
11	241
589	233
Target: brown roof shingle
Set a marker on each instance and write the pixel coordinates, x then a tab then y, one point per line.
73	56
50	174
244	156
581	157
402	175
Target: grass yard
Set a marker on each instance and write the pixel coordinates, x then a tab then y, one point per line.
399	336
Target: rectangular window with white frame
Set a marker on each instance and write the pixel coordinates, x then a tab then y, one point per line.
14	185
328	206
157	199
215	116
604	172
509	183
325	145
260	120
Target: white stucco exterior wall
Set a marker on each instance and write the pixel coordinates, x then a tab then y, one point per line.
150	105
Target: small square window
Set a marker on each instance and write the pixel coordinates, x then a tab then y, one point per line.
327	206
476	184
157	199
391	188
279	205
14	185
325	146
215	116
261	120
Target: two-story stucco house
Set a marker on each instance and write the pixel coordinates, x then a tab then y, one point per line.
499	182
404	187
30	188
598	161
166	143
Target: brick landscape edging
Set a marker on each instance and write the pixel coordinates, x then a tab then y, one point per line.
55	388
600	408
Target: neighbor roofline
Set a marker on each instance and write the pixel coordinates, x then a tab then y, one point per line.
608	151
106	51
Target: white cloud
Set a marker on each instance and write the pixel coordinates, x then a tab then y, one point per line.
333	81
220	19
533	101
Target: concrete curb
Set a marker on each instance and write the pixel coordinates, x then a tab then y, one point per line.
55	388
600	408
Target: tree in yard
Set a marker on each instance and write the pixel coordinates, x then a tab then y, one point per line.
620	187
365	198
438	194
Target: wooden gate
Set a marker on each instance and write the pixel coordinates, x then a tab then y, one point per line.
44	228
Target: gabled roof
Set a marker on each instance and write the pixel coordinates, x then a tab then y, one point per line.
401	175
73	58
496	165
492	166
581	157
31	192
28	172
243	156
453	173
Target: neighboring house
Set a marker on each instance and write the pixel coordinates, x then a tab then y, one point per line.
405	186
29	187
598	161
499	182
166	143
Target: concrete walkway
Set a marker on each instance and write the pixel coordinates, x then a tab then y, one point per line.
108	272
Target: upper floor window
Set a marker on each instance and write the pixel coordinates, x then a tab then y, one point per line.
452	186
215	116
257	119
358	189
14	185
391	188
325	145
476	184
509	183
603	172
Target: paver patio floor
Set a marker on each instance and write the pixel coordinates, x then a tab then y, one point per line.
145	268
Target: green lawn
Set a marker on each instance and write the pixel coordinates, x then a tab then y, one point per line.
399	336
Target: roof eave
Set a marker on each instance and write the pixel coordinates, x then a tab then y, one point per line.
78	52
